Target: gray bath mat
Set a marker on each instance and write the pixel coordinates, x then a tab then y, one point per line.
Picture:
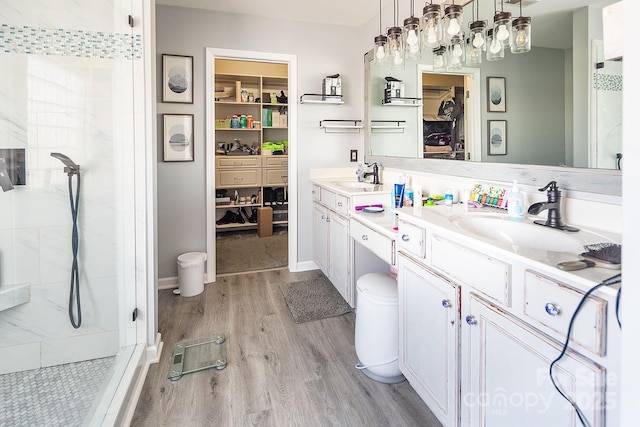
313	299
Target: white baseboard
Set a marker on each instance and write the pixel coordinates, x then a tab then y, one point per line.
304	266
168	283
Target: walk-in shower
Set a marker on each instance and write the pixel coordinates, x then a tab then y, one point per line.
72	169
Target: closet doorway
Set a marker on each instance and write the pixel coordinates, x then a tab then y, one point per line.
251	215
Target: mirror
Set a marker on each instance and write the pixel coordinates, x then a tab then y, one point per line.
560	110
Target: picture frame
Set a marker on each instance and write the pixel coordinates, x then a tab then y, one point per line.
177	79
496	95
178	137
497	137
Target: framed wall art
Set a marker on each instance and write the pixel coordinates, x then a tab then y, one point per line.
178	137
497	137
177	79
496	95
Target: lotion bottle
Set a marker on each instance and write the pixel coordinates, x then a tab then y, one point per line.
515	203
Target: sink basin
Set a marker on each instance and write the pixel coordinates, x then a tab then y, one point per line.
525	234
356	185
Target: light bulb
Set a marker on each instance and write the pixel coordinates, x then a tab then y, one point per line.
521	38
478	40
454	27
473	54
502	33
397	58
495	46
457	51
412	38
380	52
432	37
438	61
455	60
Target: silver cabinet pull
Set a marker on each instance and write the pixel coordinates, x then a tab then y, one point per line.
552	309
471	320
446	303
365	237
405	237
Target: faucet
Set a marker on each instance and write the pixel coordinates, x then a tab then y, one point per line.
376	178
554	219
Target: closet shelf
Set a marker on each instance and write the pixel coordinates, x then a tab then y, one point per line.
316	98
334	126
402	102
388	126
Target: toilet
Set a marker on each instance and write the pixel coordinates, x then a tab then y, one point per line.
376	339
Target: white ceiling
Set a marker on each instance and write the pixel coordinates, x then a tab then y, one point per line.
548	31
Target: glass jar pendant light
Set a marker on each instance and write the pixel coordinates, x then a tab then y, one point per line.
412	36
455	53
380	54
495	49
477	40
501	21
431	26
395	42
439	60
473	54
521	33
453	21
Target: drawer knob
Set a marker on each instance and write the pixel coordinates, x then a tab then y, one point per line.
471	320
339	204
365	237
446	303
405	237
323	217
551	309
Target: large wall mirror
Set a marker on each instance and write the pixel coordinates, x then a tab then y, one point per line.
561	108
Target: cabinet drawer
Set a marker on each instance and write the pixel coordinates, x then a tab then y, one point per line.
552	303
337	202
238	161
411	239
377	243
315	192
487	275
275	176
275	161
235	177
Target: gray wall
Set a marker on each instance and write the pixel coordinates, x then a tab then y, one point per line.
321	50
535	96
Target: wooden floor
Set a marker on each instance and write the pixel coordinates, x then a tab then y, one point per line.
279	373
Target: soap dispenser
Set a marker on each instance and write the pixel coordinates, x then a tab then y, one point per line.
515	202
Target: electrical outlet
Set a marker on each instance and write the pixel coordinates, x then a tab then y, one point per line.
354	155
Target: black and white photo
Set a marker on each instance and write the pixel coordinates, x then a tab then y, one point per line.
496	95
497	137
178	137
177	79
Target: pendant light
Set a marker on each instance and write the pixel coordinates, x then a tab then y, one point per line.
431	26
453	21
412	35
477	40
501	21
439	60
521	33
495	50
455	53
395	42
380	44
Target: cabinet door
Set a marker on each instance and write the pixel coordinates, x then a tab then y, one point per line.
339	255
429	330
321	237
507	374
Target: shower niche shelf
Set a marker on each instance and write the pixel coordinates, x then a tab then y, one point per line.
14	295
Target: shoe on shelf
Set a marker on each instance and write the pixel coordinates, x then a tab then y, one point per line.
245	215
227	218
237	217
254	216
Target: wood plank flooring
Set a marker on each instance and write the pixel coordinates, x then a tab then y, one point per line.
279	373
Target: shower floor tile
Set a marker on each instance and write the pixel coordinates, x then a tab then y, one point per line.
55	396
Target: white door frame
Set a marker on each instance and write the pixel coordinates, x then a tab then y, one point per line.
292	190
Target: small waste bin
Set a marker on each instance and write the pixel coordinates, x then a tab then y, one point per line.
191	273
377	330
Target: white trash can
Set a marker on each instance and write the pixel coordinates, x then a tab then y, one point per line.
377	328
191	273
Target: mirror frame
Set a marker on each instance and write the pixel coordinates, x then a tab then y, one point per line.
587	184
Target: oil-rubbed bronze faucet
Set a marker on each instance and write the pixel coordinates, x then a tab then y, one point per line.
376	178
554	219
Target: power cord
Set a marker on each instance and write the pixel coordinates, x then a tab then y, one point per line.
608	282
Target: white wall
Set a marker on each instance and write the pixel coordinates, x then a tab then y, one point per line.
321	50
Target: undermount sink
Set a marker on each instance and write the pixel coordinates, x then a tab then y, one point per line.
525	234
358	185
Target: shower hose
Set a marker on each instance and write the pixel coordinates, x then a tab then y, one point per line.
74	291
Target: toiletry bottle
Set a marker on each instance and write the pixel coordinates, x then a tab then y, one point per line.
515	202
236	198
448	198
359	172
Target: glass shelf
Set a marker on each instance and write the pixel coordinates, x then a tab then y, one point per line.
315	98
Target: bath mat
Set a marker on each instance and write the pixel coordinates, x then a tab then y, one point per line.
313	299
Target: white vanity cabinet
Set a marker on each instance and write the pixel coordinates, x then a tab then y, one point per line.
429	308
480	326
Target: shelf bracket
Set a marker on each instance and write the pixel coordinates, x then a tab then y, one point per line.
341	126
388	126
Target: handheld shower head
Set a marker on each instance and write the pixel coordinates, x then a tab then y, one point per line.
70	166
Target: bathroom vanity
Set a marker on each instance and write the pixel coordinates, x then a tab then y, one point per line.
483	309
